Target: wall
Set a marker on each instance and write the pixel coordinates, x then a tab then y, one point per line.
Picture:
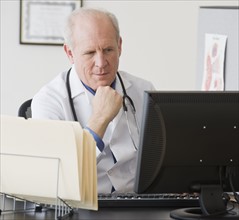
159	44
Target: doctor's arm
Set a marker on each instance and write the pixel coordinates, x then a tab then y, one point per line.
105	106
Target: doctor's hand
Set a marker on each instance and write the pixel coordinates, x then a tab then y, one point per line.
106	105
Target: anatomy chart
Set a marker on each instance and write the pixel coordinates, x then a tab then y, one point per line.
214	57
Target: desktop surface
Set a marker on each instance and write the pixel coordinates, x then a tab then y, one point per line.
111	206
139	213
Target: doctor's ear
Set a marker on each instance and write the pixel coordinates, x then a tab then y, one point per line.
120	45
69	53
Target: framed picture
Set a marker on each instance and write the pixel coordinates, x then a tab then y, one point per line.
42	21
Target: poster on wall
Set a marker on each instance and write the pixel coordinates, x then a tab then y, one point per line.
42	22
214	59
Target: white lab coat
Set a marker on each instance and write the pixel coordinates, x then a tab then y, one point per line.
52	102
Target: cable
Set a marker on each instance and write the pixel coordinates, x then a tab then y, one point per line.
231	171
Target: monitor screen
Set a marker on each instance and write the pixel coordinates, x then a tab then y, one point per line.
189	142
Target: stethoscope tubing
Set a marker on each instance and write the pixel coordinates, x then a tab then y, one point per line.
125	97
68	87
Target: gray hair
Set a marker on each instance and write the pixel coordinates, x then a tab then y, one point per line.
70	22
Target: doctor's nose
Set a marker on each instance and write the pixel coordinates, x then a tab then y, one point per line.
100	60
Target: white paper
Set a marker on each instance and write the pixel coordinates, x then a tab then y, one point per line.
47	21
214	57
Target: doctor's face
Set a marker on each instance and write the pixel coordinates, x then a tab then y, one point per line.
95	51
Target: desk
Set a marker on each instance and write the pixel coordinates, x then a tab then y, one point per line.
101	214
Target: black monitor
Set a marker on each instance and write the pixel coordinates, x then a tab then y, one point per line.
189	142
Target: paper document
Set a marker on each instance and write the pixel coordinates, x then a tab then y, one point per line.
214	58
45	159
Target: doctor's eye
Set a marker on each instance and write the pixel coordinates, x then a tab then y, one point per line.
90	52
108	50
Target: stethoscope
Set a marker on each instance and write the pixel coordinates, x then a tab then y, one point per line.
126	99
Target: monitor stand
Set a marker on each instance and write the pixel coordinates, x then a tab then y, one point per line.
212	206
196	213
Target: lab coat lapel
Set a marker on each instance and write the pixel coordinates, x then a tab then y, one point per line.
82	98
119	89
76	85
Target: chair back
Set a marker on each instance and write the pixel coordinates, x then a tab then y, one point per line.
25	109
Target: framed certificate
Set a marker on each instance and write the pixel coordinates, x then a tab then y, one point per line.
42	22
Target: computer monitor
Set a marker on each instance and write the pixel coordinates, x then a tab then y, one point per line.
189	142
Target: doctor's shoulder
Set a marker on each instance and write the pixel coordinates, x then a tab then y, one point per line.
54	88
48	101
138	82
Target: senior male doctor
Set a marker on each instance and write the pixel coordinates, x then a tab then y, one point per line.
91	92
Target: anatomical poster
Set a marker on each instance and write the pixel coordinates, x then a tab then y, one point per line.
214	59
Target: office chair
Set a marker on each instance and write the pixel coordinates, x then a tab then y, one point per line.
25	109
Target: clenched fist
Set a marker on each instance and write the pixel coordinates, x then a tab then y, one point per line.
106	105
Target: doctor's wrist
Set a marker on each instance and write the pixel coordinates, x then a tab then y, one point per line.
99	142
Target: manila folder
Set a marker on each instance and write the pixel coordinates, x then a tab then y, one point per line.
43	160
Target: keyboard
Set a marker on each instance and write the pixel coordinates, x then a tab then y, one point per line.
147	200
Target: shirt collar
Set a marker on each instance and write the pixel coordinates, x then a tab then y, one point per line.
93	91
